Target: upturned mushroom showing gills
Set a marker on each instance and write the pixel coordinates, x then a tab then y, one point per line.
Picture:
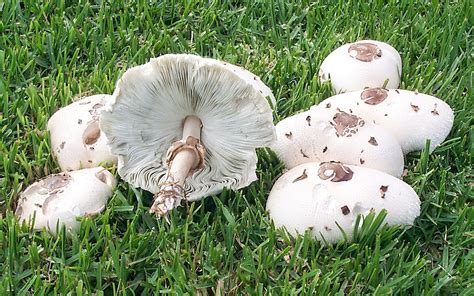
76	139
185	127
366	63
62	198
323	134
411	117
327	197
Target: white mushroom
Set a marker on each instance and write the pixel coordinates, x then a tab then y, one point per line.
185	127
323	134
411	117
366	63
64	197
321	197
76	139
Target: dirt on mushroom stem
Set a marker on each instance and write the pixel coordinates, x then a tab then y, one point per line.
183	158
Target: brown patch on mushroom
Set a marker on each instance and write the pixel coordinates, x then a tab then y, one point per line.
365	51
350	111
361	161
89	161
385	114
416	92
373	141
255	78
374	96
325	149
397	91
55	182
328	105
62	144
302	153
310	228
79	121
346	124
85	103
335	170
91	134
308	119
415	107
38	205
289	135
327	228
345	210
97	106
383	190
302	177
434	111
102	177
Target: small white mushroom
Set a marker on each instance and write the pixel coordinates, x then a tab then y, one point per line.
76	139
323	134
185	127
411	117
366	63
64	197
321	197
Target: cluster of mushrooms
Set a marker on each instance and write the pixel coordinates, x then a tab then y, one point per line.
186	127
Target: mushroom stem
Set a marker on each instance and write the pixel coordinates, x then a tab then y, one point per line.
184	157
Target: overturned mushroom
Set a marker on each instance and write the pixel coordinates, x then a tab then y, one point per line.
339	136
76	139
185	127
64	197
366	63
411	117
332	195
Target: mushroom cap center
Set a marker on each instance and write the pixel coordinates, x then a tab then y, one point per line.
365	51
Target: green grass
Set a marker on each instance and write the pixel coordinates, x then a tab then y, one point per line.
53	51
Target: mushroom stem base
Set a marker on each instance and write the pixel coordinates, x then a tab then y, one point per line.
168	198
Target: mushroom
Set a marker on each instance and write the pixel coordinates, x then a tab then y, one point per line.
366	63
64	197
411	117
185	127
76	139
323	134
327	197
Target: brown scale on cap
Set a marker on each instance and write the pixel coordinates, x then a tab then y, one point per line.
327	228
415	107
373	141
303	176
346	124
328	105
397	91
289	135
79	121
335	170
373	96
365	51
434	111
308	120
361	161
325	149
62	144
302	153
345	210
383	190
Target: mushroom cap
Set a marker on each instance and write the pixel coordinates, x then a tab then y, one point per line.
76	139
323	134
150	104
411	117
365	63
316	196
64	197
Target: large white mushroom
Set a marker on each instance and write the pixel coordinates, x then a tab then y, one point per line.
76	139
411	117
323	134
327	197
185	127
365	63
61	198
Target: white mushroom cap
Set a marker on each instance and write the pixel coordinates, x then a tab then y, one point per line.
323	134
64	197
320	196
365	63
76	139
411	117
151	102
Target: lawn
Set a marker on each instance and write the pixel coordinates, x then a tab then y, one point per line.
52	52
